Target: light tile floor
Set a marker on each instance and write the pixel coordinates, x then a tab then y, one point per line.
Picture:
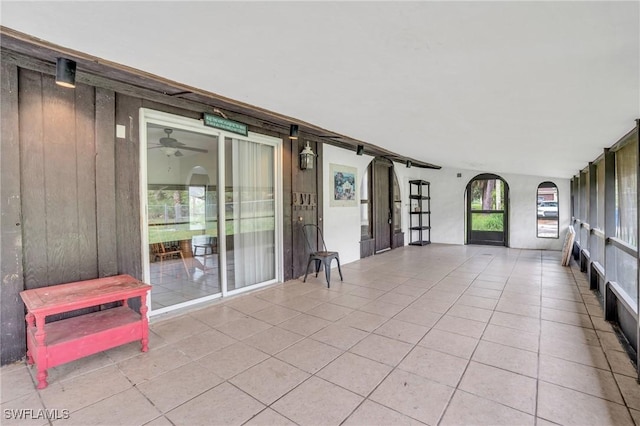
438	335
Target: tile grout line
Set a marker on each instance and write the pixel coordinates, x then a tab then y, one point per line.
537	400
624	400
474	351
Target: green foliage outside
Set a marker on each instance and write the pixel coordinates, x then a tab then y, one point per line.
487	222
182	231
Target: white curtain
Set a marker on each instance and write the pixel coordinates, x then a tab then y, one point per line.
254	213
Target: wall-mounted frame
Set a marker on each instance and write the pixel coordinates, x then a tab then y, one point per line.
343	181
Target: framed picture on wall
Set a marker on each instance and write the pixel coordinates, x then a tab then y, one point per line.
344	184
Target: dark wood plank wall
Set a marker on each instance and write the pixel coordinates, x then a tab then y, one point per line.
288	213
85	142
106	183
77	188
58	182
12	329
127	163
303	181
34	213
60	189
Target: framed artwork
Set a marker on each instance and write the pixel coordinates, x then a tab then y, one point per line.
344	181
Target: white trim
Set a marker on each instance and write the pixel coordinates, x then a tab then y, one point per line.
222	219
184	123
182	305
251	287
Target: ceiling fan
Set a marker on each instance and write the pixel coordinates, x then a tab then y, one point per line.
171	146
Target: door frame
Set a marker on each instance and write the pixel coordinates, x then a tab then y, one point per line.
505	211
146	116
388	218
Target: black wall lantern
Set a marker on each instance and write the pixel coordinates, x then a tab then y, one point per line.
293	132
306	158
65	72
360	150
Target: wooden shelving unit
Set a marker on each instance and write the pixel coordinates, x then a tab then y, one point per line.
420	214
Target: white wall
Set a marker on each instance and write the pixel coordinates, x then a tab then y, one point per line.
342	224
448	207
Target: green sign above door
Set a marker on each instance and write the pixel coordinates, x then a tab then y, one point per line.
224	124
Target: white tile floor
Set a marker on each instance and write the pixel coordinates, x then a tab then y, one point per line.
437	335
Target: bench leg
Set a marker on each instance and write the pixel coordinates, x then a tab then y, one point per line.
31	323
145	323
41	360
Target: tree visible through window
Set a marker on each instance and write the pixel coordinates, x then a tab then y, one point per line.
547	210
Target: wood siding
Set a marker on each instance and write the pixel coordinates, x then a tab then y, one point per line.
70	188
12	325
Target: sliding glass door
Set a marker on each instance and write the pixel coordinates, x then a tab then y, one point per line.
212	212
250	213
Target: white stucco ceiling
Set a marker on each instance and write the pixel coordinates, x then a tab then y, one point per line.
534	88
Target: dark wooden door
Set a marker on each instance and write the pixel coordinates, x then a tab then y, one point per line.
382	223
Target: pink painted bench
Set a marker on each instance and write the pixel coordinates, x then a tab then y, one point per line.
69	339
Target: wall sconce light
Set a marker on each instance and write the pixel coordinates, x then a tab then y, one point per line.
408	164
293	132
306	158
360	150
65	72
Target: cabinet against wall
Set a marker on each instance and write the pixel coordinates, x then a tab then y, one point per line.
420	214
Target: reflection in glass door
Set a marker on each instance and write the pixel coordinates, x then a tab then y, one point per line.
182	215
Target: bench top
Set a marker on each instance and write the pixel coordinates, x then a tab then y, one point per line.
81	294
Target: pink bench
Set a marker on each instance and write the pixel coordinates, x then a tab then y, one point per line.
69	339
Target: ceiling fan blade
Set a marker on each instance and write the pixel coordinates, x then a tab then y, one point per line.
170	142
188	148
154	147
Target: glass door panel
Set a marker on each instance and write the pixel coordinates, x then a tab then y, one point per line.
182	215
487	211
250	213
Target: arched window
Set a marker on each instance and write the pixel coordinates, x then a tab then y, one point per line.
547	210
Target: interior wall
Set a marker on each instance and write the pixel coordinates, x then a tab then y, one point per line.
448	207
342	224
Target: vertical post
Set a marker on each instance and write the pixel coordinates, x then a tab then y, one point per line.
637	258
592	213
592	218
575	209
572	198
609	163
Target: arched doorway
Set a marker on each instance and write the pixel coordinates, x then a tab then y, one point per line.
487	201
